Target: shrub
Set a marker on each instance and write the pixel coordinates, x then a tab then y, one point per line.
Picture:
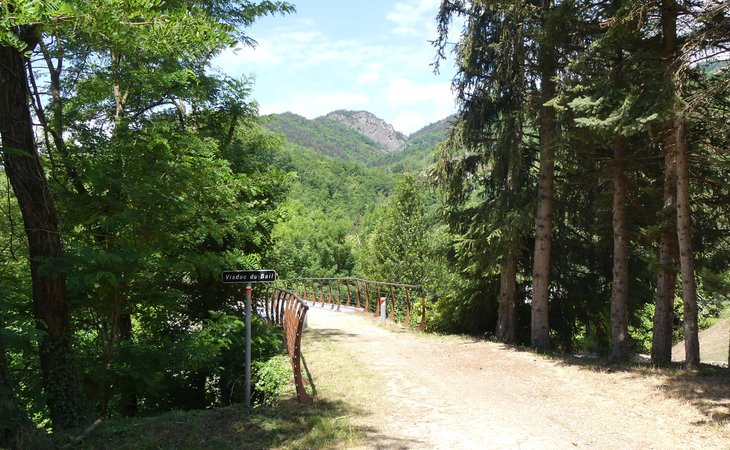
273	378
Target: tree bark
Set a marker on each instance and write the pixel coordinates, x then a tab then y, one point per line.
507	319
661	348
540	328
686	252
620	286
25	172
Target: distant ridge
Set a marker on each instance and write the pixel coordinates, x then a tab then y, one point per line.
371	126
362	137
325	135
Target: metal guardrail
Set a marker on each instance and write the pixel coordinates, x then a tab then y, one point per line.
284	307
285	304
356	292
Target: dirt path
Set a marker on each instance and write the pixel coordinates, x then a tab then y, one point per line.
424	391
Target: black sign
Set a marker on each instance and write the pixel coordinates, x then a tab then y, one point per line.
249	276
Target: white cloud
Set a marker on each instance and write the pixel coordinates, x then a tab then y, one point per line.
371	73
409	121
311	70
405	92
414	17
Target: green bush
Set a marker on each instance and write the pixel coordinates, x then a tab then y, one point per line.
273	378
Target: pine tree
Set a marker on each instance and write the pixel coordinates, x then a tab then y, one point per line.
484	166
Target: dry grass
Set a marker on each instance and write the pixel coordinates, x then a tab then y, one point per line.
713	344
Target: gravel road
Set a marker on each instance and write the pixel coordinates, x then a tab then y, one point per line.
460	393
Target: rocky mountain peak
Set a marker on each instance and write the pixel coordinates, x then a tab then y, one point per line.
371	126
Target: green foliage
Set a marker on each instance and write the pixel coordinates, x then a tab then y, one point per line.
272	379
311	244
397	247
419	151
162	178
336	186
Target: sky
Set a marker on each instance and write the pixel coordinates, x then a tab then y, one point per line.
371	55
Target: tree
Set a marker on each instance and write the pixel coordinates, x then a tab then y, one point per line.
548	132
25	171
661	350
488	153
397	248
148	56
508	61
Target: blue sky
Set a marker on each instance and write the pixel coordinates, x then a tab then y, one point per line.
372	55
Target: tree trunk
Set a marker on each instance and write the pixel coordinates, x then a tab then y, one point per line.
661	345
661	348
686	253
25	172
507	320
620	286
544	222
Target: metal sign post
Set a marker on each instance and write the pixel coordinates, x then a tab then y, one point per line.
248	277
247	366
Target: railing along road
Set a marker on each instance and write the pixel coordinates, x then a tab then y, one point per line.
361	294
286	308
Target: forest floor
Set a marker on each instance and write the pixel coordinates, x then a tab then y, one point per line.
403	389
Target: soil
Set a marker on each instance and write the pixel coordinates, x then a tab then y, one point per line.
451	392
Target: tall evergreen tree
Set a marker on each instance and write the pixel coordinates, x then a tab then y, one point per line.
547	69
485	164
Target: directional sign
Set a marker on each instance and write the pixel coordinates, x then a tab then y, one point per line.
249	276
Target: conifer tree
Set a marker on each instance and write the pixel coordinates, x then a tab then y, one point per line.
485	164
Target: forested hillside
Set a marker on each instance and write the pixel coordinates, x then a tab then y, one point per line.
338	197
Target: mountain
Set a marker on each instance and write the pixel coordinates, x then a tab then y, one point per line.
328	136
361	137
371	126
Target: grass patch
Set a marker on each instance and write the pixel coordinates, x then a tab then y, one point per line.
330	422
324	424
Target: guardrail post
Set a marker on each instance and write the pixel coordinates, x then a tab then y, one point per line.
422	325
357	285
339	294
347	283
392	303
367	298
376	309
408	308
332	302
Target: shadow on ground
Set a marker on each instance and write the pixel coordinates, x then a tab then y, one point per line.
287	425
320	334
707	388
